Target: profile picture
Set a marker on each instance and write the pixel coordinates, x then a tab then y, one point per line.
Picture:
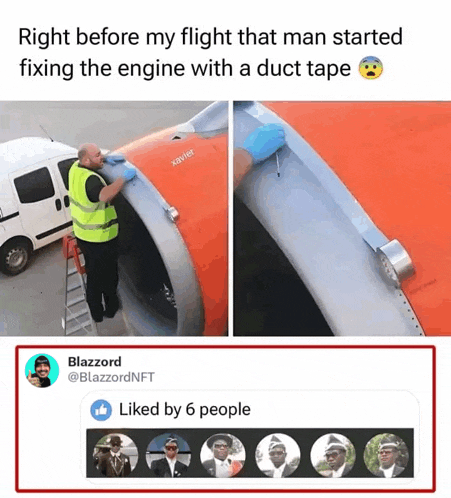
333	455
41	370
168	455
277	455
386	455
223	455
115	455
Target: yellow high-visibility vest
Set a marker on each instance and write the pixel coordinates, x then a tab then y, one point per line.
92	221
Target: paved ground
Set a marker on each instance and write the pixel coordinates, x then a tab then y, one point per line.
31	304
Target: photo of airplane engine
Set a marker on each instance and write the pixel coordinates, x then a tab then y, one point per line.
343	231
173	228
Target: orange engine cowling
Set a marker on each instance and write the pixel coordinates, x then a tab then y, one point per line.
173	231
392	158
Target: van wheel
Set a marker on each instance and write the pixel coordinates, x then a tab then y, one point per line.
15	256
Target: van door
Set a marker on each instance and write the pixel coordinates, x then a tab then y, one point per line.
41	205
60	166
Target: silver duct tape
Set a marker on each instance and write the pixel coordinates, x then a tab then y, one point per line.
396	263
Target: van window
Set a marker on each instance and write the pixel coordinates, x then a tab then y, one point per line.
64	167
35	186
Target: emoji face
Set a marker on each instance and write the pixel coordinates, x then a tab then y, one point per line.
370	68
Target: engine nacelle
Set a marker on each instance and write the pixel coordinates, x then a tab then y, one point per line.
173	228
355	225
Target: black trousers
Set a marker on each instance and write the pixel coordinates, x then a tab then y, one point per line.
102	276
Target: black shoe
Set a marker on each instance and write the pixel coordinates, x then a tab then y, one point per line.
110	313
97	318
112	306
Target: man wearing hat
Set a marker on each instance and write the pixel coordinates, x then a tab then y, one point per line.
278	455
221	465
114	463
388	454
169	466
335	455
42	369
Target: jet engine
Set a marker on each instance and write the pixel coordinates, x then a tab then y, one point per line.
350	239
173	228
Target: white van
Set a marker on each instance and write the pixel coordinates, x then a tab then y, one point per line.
34	199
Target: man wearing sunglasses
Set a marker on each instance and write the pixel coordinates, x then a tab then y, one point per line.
388	455
221	465
114	463
335	456
42	369
278	454
169	466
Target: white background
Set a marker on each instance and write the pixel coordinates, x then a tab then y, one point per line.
417	70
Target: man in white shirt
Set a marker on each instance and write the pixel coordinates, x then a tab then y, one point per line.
169	466
388	454
278	454
335	455
221	465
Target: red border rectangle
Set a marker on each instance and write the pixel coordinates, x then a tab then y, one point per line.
434	415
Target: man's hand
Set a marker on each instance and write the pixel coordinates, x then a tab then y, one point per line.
108	193
258	146
114	159
33	380
264	141
129	174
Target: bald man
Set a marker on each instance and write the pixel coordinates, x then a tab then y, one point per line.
96	228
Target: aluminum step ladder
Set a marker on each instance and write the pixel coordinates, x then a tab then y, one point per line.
77	319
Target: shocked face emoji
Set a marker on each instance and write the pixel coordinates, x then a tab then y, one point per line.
370	68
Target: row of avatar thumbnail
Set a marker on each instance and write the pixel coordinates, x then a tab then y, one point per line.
279	453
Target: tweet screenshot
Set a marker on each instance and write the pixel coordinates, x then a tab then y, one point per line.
226	417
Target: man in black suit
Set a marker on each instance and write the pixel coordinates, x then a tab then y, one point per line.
114	463
221	465
335	455
169	466
278	455
388	455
